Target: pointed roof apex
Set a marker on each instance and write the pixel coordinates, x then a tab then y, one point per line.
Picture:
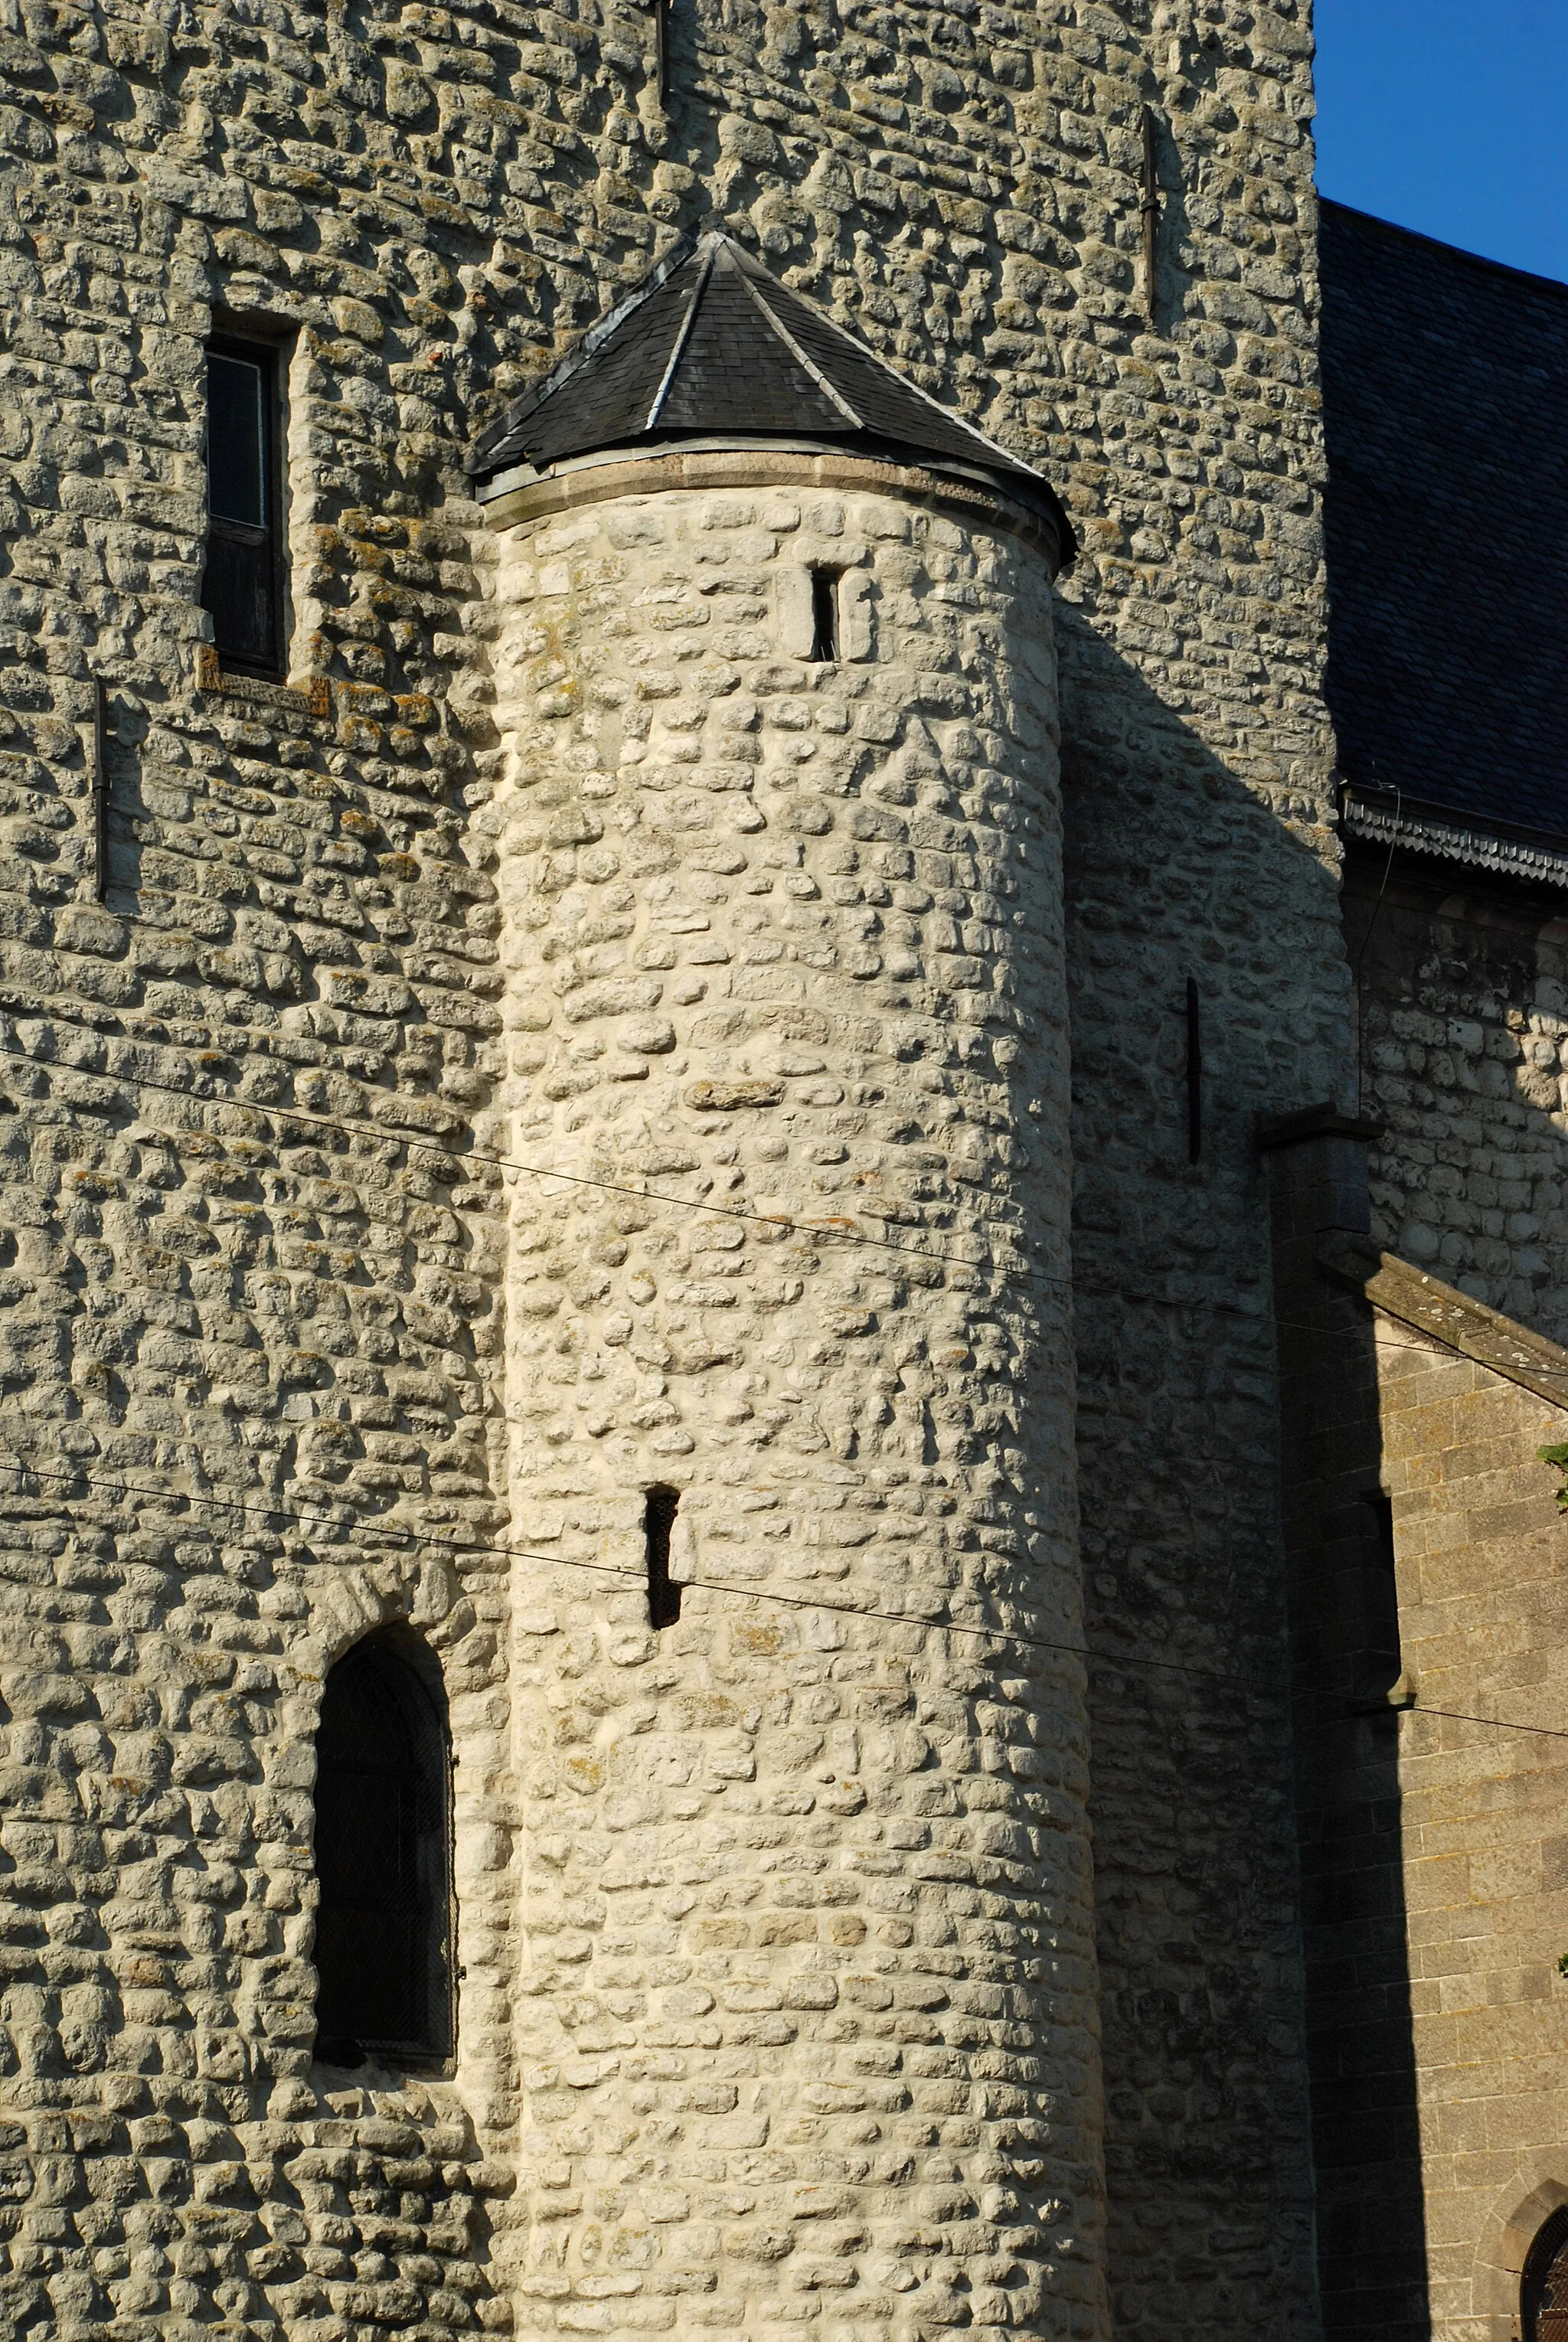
710	346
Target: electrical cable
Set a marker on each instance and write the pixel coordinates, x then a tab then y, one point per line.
837	1235
625	1578
351	1130
749	1593
173	1090
1527	933
535	1171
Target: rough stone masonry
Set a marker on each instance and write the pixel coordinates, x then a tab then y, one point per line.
848	1863
785	2005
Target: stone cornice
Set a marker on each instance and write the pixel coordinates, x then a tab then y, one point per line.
1469	1327
571	490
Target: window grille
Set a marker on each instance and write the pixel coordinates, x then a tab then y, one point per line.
242	582
383	1839
1545	2283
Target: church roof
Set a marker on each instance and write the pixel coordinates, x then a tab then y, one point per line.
712	346
1446	516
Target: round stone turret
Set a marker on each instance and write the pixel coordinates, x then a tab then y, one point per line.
808	2022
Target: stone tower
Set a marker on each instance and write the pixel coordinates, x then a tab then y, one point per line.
784	936
540	937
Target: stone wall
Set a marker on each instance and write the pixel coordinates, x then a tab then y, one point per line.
1432	1889
1464	1013
1479	1548
213	1311
810	2011
301	914
1195	765
244	1422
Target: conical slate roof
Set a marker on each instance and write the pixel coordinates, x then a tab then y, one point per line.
711	346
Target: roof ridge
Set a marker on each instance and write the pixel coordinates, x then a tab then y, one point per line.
747	278
1450	251
593	340
864	350
682	337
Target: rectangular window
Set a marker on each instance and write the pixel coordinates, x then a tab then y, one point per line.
242	584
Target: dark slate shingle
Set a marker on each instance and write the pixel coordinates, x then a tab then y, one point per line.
734	372
745	356
1446	416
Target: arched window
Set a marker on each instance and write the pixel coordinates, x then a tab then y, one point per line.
1545	2293
383	1838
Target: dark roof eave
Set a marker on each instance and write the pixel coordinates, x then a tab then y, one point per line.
1027	489
1389	817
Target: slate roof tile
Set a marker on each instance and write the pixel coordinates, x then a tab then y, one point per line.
1446	515
713	346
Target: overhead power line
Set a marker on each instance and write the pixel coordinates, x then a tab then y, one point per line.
831	1233
635	1581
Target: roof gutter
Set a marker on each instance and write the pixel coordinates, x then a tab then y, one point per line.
1387	817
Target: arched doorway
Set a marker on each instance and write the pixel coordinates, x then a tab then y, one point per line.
1543	2287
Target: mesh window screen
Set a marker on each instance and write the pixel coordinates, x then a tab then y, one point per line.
383	1921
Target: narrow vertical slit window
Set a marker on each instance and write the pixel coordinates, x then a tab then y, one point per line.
1149	212
242	582
823	616
1195	1072
384	1930
660	11
658	1524
99	790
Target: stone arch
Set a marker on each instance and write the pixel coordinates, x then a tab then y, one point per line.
1538	2189
354	1602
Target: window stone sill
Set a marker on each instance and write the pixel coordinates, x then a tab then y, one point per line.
312	697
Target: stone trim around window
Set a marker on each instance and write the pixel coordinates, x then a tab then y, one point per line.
311	697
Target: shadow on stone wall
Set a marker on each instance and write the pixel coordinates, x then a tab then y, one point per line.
1462	1034
1179	866
1348	1683
1463	1031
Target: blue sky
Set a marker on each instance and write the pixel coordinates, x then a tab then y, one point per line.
1450	117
